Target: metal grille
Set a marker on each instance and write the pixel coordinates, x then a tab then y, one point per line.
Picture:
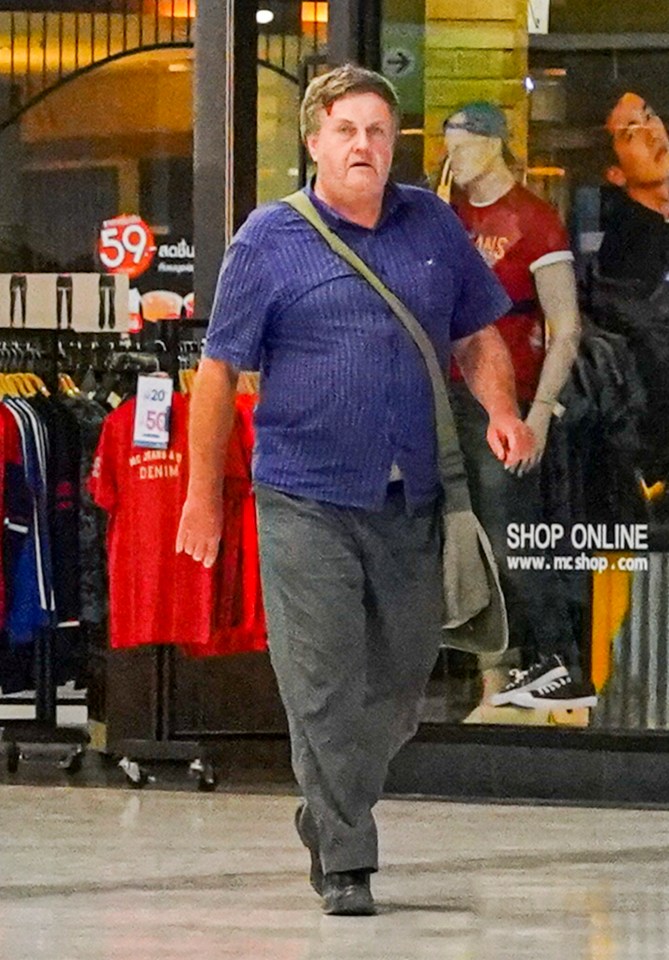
637	694
42	50
45	49
299	42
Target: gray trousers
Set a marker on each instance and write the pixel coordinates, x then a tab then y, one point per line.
353	602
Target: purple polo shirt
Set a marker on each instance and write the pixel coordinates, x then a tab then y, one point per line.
344	390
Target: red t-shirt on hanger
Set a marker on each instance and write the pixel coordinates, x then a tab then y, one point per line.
156	595
239	618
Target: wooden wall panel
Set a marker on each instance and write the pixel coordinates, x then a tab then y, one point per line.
474	10
475	50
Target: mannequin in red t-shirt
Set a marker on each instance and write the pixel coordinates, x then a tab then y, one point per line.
524	242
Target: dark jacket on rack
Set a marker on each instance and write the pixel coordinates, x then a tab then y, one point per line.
589	467
626	308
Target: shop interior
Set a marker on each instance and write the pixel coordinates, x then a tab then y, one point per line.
96	124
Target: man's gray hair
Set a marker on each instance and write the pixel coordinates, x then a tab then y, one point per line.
340	82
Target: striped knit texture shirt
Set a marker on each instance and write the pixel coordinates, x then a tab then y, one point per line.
344	391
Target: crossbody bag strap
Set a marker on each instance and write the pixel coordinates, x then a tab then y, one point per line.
451	465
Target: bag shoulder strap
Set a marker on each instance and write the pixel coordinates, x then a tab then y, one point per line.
451	465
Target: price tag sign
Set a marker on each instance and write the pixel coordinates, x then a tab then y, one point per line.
538	16
126	245
152	412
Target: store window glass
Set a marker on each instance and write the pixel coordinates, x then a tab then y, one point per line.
402	62
96	129
598	148
574	121
573	224
113	142
278	134
292	43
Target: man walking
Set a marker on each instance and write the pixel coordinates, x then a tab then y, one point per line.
347	487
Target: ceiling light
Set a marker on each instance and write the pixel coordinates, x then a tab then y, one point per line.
314	12
264	16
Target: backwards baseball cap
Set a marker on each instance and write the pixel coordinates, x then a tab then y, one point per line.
480	117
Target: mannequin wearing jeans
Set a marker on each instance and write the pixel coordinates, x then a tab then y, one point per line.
526	245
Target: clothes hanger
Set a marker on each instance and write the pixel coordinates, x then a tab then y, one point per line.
67	385
24	385
445	184
37	383
9	388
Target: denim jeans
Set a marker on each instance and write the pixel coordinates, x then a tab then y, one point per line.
538	601
353	600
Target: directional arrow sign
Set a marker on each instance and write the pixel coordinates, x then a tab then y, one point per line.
398	62
402	46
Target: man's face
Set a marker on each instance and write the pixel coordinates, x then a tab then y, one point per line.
353	148
640	143
471	155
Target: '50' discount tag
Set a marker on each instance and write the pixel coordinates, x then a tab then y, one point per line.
152	412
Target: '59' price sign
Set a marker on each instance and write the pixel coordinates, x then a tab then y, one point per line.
152	412
126	245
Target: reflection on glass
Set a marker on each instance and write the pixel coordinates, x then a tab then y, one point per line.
161	305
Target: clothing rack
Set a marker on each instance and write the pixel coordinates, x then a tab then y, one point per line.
48	352
138	705
136	698
171	342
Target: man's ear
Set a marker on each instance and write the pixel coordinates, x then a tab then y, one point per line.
615	176
311	144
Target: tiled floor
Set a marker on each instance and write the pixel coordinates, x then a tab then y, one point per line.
96	874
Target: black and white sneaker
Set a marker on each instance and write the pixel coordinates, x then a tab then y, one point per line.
538	675
563	693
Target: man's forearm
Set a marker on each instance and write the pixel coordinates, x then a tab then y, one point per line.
486	366
212	411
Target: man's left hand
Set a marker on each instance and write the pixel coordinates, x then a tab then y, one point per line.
511	440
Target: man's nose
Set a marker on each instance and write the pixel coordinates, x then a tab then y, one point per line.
362	140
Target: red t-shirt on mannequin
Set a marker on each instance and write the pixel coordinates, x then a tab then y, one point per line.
516	235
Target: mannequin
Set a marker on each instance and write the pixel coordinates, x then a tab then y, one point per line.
524	242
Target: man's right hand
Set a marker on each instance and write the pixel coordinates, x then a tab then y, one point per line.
200	529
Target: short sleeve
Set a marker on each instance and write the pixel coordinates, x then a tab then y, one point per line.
242	304
103	481
548	240
481	299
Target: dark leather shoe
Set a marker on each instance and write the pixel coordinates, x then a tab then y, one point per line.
348	894
306	831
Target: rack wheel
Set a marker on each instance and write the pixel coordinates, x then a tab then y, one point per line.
136	776
72	762
205	773
207	781
13	757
